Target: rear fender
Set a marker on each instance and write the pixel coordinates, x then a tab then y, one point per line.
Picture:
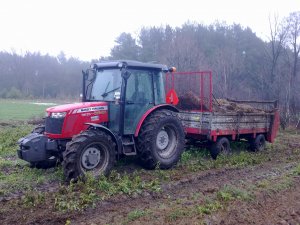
155	108
109	132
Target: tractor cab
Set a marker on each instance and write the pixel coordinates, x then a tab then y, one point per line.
130	89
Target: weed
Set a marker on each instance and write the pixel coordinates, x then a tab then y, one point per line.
135	214
296	171
76	196
230	193
240	160
209	207
178	213
33	198
283	184
80	195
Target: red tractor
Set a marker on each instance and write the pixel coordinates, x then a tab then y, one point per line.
123	112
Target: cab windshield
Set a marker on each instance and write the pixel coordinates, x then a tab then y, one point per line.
105	84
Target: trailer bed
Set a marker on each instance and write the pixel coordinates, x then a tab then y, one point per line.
211	125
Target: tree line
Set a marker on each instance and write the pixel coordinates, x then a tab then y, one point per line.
244	66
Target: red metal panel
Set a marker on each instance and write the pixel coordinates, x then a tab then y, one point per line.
196	83
274	127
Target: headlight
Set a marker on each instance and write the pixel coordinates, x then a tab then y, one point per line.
58	115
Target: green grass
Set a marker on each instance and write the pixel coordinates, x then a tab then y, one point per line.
9	137
15	174
134	215
24	179
11	110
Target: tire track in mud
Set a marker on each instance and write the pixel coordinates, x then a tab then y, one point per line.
207	183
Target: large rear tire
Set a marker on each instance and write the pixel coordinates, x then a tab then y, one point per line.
161	140
90	151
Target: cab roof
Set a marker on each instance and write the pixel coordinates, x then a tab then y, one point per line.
130	64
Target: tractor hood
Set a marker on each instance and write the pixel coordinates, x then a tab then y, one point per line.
78	107
65	121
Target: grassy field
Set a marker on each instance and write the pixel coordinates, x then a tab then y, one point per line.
11	110
16	110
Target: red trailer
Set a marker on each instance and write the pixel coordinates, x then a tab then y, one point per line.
208	119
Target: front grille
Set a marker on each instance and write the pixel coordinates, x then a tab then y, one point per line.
54	125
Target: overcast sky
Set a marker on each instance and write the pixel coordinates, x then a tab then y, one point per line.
86	29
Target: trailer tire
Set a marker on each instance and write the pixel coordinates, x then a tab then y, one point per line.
91	150
258	143
161	140
221	146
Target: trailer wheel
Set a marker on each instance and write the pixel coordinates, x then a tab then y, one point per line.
221	146
161	140
90	151
258	143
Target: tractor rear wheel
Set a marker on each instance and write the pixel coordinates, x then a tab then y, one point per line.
90	151
161	140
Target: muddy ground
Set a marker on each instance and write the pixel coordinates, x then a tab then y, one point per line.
266	193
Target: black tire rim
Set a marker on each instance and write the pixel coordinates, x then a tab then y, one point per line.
166	141
94	158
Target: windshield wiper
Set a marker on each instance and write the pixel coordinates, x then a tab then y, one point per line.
107	92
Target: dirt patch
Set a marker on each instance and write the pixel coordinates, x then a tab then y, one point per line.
281	207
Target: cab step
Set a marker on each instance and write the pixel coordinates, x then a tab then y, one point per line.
129	147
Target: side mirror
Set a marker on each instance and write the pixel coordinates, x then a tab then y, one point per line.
117	96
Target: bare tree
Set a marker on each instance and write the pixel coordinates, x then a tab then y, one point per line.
277	39
294	38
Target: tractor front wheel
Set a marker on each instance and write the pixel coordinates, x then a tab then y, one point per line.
161	140
90	151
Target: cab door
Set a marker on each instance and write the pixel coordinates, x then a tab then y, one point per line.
139	98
